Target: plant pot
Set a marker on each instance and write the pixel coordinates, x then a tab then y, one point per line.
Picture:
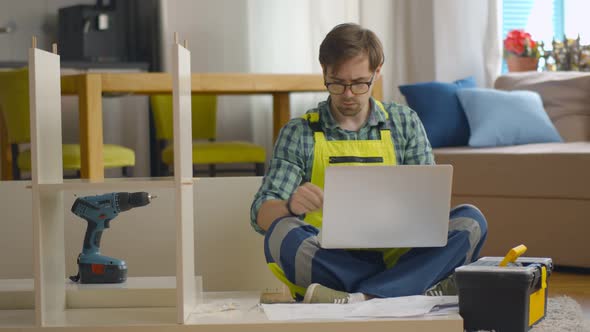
516	63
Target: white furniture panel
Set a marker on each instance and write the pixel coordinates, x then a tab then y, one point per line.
48	219
183	178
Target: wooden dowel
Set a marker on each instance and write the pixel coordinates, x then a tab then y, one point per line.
186	44
54	48
176	38
34	42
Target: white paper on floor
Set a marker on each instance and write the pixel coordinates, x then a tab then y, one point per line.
397	307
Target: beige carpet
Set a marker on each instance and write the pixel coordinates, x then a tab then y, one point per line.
564	314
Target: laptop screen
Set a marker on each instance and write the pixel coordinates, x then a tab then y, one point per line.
386	206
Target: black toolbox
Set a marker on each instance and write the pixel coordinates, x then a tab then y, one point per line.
509	298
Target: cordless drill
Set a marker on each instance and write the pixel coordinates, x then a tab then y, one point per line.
98	211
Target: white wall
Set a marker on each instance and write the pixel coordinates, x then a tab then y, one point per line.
285	37
217	35
384	29
407	33
259	36
30	18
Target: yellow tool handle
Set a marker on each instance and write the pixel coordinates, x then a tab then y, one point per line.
513	254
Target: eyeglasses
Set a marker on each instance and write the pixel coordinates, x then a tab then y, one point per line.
356	88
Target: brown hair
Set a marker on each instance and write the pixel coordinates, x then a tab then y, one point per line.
348	40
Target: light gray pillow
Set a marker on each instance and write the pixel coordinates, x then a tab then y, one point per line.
565	95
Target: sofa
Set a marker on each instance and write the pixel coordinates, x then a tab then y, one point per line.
534	194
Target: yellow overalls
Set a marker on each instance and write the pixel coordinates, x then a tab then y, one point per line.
342	153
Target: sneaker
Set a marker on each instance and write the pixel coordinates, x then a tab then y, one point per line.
444	287
317	293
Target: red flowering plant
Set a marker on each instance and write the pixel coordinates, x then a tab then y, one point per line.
520	43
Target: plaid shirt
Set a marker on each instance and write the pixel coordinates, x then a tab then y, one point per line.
293	153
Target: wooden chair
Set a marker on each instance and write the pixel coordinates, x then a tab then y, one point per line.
206	149
14	106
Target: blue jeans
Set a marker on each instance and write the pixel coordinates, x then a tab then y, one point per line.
293	245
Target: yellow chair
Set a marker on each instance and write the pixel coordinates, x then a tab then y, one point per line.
206	150
14	105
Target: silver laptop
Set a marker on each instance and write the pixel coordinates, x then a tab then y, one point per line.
386	206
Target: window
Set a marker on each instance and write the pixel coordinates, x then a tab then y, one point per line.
543	19
576	20
547	19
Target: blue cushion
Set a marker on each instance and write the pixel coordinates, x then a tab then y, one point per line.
439	110
499	118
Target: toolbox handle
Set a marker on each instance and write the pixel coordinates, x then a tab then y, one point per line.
513	254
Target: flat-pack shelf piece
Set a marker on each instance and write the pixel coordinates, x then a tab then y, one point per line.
136	292
51	301
47	167
129	184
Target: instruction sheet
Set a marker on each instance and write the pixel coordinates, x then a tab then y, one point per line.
397	307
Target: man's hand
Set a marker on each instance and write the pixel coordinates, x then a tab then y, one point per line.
307	198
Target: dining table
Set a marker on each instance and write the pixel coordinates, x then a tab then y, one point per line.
92	86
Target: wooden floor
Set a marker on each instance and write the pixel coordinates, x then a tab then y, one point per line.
575	285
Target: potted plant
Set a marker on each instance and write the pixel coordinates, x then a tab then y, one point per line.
521	51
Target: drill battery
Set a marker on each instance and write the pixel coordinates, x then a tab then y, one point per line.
112	272
509	298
